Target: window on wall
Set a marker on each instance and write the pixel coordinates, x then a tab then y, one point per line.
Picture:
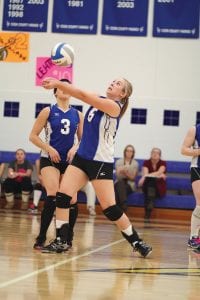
138	116
171	118
39	107
78	107
198	117
11	109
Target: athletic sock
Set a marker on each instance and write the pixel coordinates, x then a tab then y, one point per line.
195	222
130	235
47	215
36	197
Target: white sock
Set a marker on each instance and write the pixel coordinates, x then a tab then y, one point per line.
9	197
195	222
59	223
25	196
36	197
128	231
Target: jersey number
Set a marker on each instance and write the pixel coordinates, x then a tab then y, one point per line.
66	126
91	114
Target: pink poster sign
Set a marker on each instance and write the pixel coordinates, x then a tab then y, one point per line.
45	68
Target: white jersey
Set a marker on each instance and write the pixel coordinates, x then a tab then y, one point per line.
99	131
196	159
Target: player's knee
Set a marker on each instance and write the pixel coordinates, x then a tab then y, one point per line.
113	213
63	200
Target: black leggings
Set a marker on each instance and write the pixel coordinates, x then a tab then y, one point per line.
12	186
122	190
150	192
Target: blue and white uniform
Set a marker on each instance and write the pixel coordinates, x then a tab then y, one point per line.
99	131
195	163
60	131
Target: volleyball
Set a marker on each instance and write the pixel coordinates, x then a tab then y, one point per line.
62	54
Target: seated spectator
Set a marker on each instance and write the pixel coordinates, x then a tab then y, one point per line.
91	198
38	189
153	181
126	172
2	168
18	180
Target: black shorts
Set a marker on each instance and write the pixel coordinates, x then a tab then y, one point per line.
94	169
195	174
46	162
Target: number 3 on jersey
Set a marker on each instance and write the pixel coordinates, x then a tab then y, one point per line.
66	126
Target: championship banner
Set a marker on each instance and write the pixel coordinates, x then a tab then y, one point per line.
75	16
125	17
14	47
45	68
25	15
176	18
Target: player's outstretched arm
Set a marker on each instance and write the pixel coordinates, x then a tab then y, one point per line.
106	105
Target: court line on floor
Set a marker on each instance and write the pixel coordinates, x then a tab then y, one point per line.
23	277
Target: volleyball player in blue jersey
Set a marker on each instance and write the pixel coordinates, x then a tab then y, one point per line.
191	147
62	125
94	161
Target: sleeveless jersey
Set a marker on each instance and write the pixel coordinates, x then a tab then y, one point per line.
60	130
99	131
196	159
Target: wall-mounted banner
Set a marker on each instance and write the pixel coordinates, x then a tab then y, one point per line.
14	47
125	17
75	16
45	68
176	18
25	15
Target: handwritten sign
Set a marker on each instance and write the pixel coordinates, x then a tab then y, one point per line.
14	47
45	68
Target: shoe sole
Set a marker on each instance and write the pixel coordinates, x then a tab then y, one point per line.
39	248
54	252
148	254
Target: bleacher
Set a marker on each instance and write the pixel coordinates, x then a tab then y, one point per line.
179	191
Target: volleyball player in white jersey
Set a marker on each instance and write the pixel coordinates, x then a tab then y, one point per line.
94	161
61	123
191	147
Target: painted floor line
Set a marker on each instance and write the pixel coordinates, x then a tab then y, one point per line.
35	273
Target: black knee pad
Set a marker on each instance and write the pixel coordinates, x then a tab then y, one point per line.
62	200
113	213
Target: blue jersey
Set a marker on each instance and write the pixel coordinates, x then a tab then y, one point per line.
196	159
60	130
99	131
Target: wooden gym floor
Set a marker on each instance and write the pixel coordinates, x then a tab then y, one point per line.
101	264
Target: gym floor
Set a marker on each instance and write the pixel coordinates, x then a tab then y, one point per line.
101	264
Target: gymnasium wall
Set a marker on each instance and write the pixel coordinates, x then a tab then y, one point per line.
165	73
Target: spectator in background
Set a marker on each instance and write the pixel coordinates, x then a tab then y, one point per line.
18	180
153	181
2	168
191	147
38	189
126	172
